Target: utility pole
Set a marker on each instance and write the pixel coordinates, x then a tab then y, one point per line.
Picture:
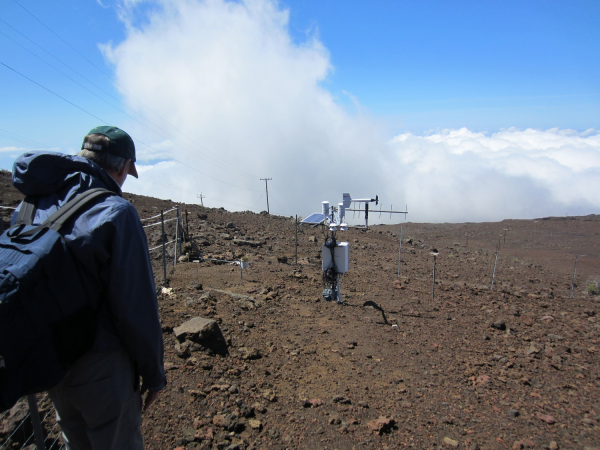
266	180
201	197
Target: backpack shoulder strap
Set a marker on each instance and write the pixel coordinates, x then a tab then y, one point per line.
67	211
27	210
72	207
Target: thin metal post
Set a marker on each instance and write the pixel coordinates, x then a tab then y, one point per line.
187	225
162	220
433	286
467	235
494	273
399	252
296	239
179	231
574	275
241	271
35	422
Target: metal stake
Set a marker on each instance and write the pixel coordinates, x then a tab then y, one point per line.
296	239
399	252
433	286
162	221
574	275
494	273
179	231
176	238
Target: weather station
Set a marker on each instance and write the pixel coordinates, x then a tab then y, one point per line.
335	254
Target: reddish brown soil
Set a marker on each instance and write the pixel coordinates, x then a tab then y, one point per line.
304	373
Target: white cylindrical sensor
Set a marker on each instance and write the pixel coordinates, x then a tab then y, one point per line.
325	209
341	212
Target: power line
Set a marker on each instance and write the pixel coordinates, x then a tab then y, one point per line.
141	142
117	84
215	160
53	93
151	181
22	140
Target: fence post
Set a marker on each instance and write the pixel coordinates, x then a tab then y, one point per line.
494	273
574	275
399	252
176	237
296	239
433	286
162	221
35	422
187	225
180	231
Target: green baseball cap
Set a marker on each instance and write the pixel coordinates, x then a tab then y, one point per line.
121	145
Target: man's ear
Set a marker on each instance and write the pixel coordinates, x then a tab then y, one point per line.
125	169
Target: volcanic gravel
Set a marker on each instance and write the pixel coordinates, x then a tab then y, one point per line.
394	366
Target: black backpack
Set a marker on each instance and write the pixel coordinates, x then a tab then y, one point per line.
46	320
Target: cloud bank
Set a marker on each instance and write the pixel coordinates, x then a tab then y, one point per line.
232	98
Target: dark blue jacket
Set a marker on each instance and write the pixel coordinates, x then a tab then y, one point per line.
110	245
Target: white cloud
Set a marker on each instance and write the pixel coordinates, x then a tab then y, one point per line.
458	175
242	101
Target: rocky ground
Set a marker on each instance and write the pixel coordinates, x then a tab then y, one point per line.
472	367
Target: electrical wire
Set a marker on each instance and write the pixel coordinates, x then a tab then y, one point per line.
138	140
22	140
123	88
211	159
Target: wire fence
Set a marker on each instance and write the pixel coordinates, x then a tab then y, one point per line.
19	430
30	429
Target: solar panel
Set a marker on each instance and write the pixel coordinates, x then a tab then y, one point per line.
315	218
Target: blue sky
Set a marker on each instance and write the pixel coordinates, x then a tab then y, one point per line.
389	95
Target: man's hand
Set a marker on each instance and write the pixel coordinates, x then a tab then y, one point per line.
150	398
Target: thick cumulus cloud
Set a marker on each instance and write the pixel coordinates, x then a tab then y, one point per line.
237	100
232	98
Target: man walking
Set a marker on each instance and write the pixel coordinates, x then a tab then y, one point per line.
99	402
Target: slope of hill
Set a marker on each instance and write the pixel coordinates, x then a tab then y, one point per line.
512	367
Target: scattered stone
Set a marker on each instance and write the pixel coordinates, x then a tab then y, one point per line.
381	425
513	413
334	420
499	325
546	418
270	395
249	353
255	424
528	320
229	422
533	349
199	333
482	380
313	403
341	400
450	442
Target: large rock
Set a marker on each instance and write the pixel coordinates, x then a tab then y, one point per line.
199	334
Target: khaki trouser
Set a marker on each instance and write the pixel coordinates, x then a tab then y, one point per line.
96	405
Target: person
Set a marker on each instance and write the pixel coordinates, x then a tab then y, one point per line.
99	402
